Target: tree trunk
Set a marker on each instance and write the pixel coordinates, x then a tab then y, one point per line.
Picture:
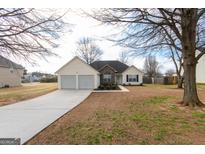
188	40
179	81
190	90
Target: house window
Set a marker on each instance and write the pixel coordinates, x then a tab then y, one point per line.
107	77
132	78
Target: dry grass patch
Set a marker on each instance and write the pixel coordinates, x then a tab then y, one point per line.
12	95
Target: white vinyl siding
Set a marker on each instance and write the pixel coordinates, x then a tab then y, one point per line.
132	76
200	71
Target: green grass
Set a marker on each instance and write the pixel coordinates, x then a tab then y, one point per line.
111	126
174	108
93	132
160	135
153	120
108	126
144	116
200	86
198	115
160	86
157	100
139	117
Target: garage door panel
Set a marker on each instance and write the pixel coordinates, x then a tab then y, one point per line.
68	82
86	81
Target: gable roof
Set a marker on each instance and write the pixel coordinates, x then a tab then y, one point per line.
76	57
134	68
115	64
107	66
4	62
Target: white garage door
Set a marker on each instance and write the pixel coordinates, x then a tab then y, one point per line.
86	81
68	81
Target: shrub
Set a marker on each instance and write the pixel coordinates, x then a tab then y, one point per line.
114	86
6	86
101	87
108	86
48	80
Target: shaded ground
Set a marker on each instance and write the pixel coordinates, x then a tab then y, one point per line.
27	91
145	115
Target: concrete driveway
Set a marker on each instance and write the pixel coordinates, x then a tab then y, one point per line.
27	118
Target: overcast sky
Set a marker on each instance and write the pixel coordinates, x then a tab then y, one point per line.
88	27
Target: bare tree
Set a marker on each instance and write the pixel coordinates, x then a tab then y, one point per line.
147	30
123	57
151	66
88	50
176	57
170	72
26	33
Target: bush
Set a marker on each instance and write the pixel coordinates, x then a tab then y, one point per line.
114	86
101	87
108	86
48	80
6	86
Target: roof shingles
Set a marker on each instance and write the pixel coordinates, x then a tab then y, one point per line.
4	62
117	65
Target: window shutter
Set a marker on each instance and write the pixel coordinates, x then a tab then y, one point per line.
137	78
127	78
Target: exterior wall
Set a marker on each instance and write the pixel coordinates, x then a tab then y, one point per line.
132	71
107	70
10	78
77	67
200	70
119	78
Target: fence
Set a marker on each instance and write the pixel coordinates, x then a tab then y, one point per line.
167	80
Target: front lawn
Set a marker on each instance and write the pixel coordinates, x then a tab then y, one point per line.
145	115
27	91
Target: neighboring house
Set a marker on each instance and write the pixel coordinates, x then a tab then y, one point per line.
76	74
10	73
36	77
31	78
200	70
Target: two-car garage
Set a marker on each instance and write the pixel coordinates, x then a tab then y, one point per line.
76	74
77	81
